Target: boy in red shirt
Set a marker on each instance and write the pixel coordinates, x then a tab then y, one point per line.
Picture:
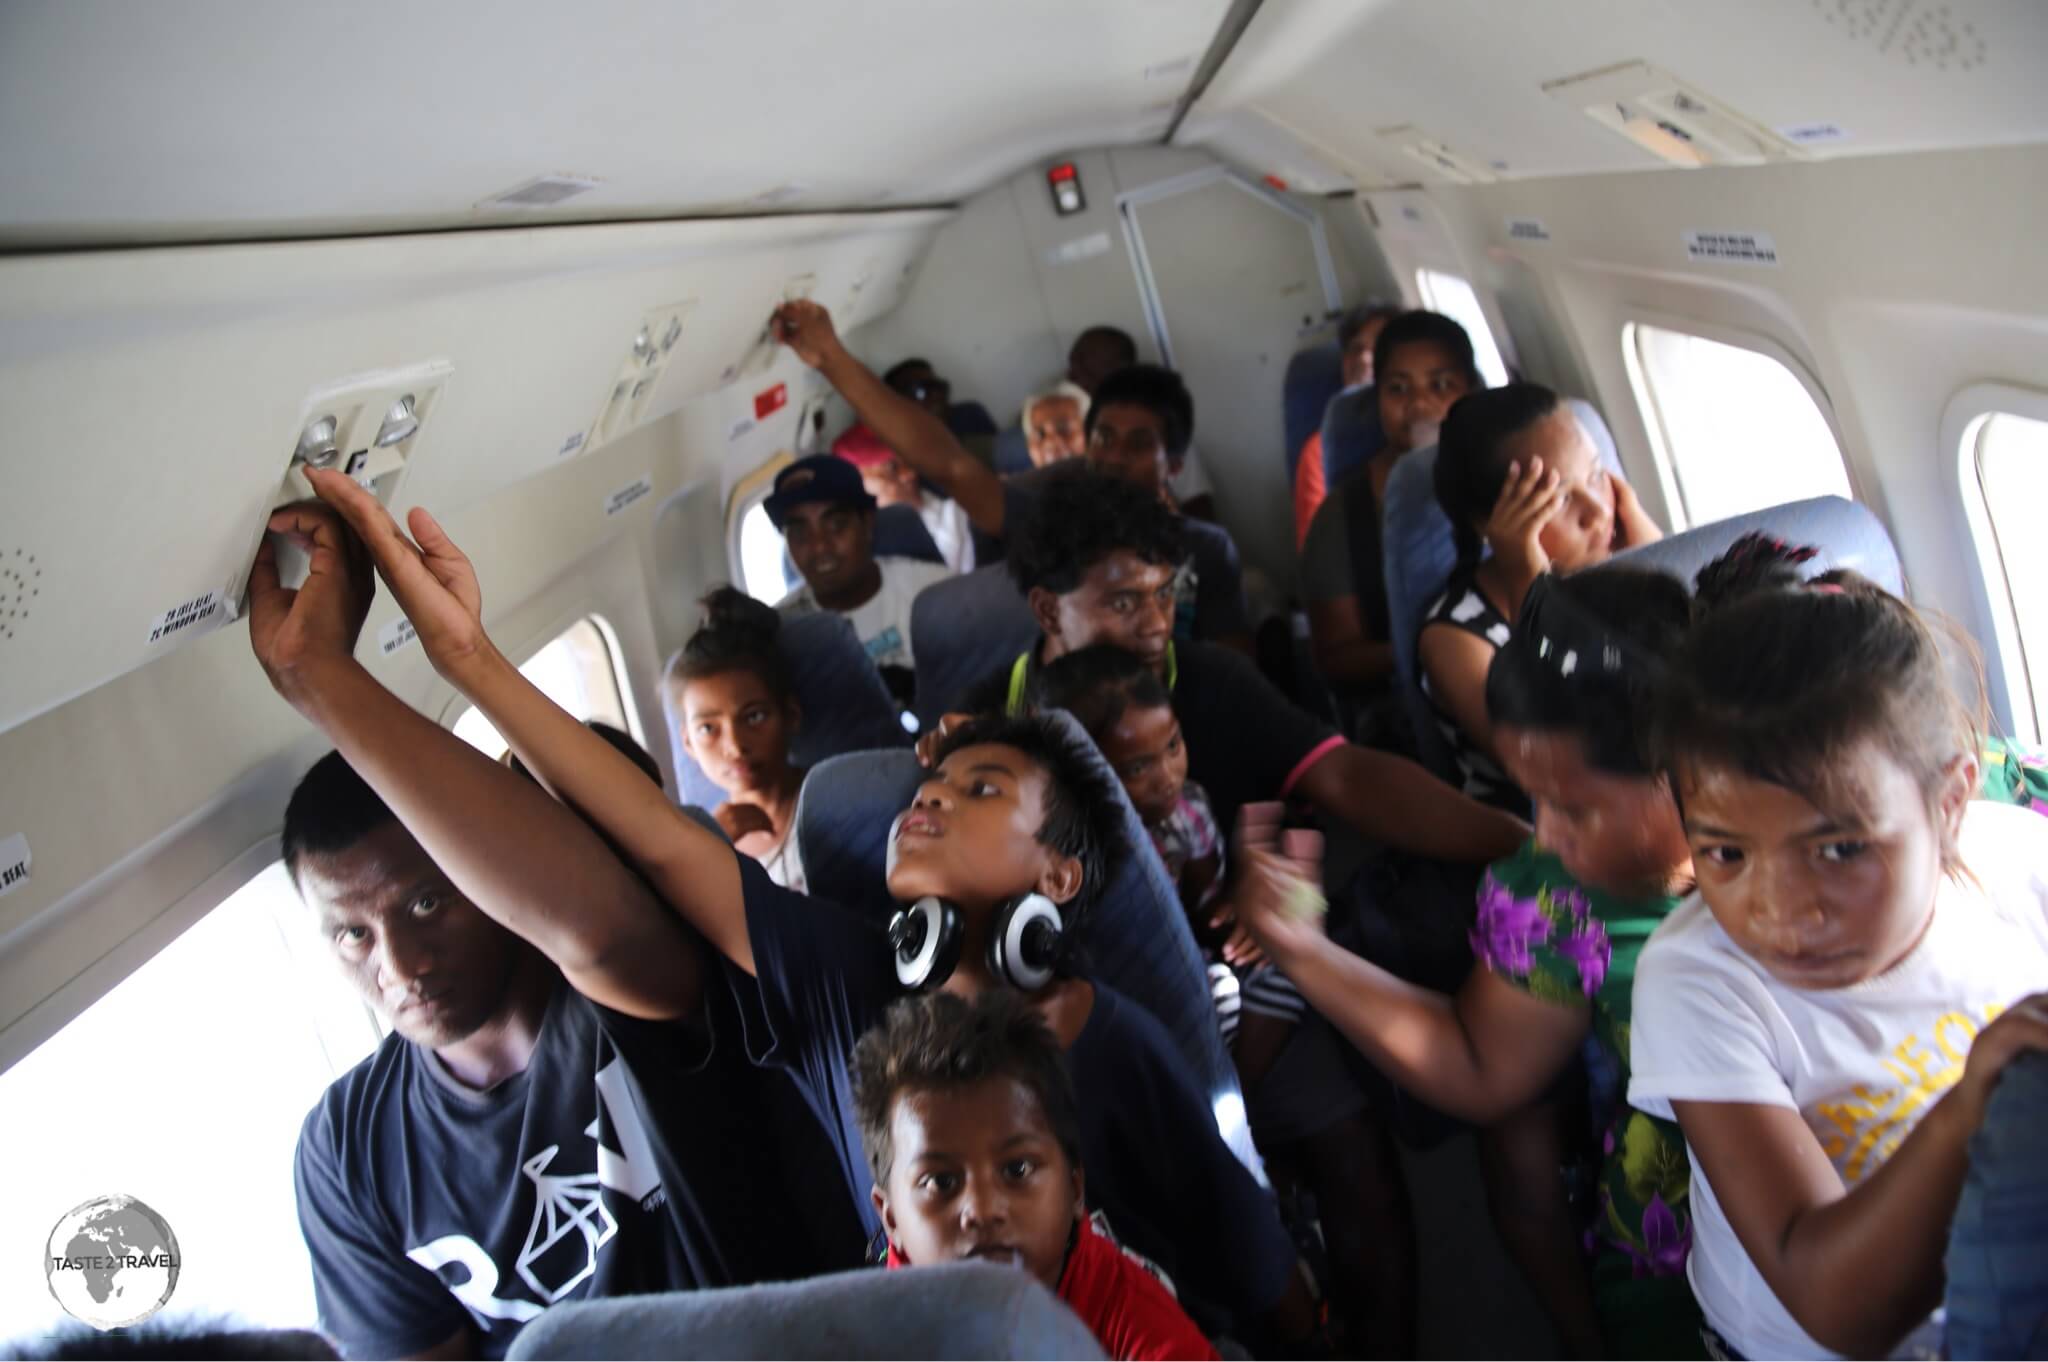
971	1129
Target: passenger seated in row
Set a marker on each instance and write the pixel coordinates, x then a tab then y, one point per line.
827	518
1013	828
1828	1015
1357	335
1056	423
1097	561
1101	351
553	1055
737	708
892	483
1138	425
1526	494
1424	363
973	1134
918	381
1559	927
1307	1113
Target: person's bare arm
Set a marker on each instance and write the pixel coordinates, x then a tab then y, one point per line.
692	870
1456	664
1632	524
1479	1054
1394	801
919	438
1344	653
531	864
1857	1268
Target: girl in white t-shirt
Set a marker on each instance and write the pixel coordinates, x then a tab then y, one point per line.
1827	1015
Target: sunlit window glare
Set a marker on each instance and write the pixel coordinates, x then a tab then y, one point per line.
2012	466
185	1087
1740	431
761	556
1453	296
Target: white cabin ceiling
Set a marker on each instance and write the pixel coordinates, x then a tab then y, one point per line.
196	120
1893	75
190	120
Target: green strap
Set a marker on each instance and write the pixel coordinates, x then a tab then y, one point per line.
1018	673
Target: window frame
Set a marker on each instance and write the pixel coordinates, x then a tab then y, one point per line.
615	655
1643	387
2007	677
748	492
1494	330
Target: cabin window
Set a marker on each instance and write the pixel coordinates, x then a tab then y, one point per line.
2010	455
761	571
579	671
1734	429
185	1087
1453	296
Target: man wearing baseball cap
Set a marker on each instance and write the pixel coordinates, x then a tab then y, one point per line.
892	482
827	517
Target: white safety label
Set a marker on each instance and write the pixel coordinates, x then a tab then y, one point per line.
1734	248
395	635
634	491
187	617
570	445
14	863
1080	248
1527	229
1808	134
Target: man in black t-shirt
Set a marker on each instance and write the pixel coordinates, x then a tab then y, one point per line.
552	1116
1139	427
1096	561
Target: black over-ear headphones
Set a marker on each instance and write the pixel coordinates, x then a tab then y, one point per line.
1025	946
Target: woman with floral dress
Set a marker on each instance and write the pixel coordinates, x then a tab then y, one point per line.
1558	929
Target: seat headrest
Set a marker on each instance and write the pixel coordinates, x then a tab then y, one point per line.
1845	532
846	707
1137	937
1351	433
1013	451
961	630
965	1310
1419	552
1313	377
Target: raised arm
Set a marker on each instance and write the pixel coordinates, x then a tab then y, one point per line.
1858	1268
519	856
1481	1054
919	438
1393	801
692	870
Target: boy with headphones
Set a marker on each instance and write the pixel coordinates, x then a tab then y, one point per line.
1012	837
974	1137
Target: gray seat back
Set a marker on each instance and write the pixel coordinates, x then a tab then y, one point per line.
966	1310
1845	532
961	630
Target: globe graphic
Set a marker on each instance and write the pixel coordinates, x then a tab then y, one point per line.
112	1262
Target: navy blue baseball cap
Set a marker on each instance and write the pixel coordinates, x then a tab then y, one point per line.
821	477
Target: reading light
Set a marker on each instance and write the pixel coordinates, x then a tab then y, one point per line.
399	423
316	443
